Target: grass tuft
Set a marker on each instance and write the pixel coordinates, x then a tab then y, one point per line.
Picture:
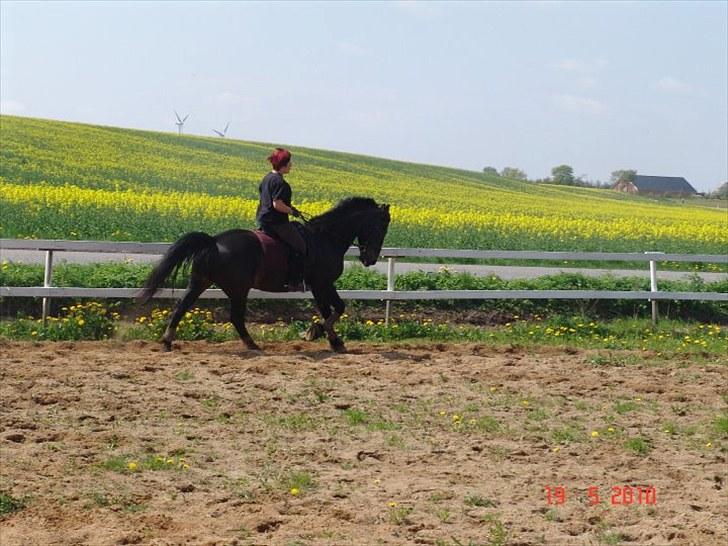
10	504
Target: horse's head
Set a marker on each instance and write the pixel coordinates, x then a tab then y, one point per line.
371	234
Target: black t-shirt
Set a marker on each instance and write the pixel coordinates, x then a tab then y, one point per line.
271	188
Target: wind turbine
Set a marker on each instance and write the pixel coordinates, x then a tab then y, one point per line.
180	122
224	131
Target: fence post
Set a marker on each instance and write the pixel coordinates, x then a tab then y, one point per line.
47	278
390	288
653	286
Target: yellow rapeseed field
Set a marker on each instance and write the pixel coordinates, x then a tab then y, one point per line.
72	181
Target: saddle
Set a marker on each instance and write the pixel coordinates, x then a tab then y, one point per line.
278	257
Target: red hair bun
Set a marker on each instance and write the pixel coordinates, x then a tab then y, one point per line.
279	158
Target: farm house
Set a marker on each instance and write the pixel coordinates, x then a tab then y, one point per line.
673	186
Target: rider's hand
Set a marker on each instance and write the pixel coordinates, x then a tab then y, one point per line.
295	212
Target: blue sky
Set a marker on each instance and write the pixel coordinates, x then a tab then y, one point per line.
598	86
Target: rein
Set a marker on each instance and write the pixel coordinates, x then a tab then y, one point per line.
306	218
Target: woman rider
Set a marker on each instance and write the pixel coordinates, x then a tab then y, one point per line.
275	206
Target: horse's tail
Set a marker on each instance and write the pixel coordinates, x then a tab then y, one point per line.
195	247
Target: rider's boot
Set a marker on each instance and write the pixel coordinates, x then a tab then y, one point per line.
296	281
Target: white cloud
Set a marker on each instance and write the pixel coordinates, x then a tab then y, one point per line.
349	48
586	82
426	10
572	103
590	66
569	65
11	107
674	86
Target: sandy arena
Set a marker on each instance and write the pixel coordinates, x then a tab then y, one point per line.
120	443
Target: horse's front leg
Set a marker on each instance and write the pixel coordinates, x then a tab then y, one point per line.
338	305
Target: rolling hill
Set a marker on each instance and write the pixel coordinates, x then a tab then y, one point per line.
75	181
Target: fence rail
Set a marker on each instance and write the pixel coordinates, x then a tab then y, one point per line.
48	291
398	295
121	247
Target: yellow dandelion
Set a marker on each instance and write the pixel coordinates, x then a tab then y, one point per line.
610	429
392	504
556	449
594	433
132	466
295	491
492	389
81	322
709	445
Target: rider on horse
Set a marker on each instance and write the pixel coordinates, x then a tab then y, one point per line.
273	210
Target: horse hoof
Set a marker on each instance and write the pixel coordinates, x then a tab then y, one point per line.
337	345
254	349
167	346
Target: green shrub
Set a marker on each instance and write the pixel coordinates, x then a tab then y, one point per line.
195	324
90	321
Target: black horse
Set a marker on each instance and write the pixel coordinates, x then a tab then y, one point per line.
233	261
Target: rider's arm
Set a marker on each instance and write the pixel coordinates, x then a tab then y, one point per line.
280	206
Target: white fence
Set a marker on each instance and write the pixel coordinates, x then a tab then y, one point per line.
52	246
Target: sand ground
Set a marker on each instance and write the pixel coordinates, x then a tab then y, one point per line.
388	444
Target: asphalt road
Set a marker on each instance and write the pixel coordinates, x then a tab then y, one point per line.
504	272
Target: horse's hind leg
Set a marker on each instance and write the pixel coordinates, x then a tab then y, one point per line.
238	307
193	292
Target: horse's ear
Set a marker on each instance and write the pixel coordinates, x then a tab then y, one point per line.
385	207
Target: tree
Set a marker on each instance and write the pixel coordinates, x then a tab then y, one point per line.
490	170
623	174
721	192
563	174
513	172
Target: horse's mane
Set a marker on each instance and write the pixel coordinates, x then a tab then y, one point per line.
342	211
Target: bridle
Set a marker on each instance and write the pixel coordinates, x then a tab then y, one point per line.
361	246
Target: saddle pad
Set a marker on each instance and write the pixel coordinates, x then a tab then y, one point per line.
275	252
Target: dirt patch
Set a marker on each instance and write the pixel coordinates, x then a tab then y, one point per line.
120	443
